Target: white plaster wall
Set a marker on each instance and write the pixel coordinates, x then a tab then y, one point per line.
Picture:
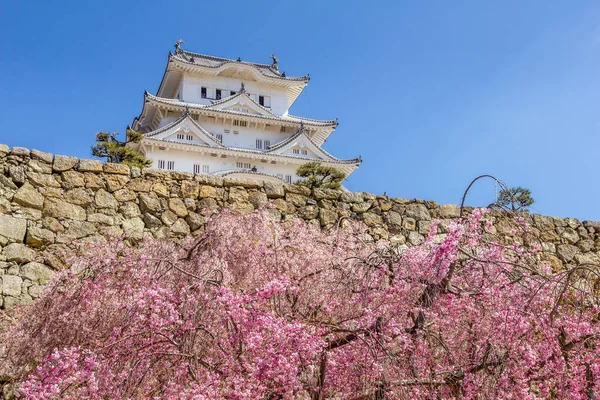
192	85
184	161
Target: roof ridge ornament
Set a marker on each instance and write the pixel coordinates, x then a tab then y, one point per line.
178	49
243	88
275	62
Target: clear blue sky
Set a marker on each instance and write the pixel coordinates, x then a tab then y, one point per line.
431	94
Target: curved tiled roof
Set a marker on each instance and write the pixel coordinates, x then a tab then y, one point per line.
246	96
246	171
203	60
182	104
184	116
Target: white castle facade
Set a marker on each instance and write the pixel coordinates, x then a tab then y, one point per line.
218	116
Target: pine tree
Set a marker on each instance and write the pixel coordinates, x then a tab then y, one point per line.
116	151
319	176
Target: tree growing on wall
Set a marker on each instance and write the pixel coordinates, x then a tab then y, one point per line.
317	175
261	310
516	198
116	151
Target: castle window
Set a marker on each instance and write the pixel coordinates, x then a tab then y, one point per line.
261	100
242	165
195	117
189	137
180	136
288	178
236	132
259	143
226	130
219	137
203	92
201	168
296	151
282	130
245	110
267	144
218	95
171	165
237	122
196	168
304	152
233	93
161	164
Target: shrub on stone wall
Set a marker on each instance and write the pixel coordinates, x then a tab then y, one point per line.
257	308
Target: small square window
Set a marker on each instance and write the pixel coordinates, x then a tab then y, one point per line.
261	100
171	165
203	92
218	94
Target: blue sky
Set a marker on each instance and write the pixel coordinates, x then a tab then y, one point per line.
430	94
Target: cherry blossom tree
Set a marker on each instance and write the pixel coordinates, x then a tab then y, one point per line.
257	309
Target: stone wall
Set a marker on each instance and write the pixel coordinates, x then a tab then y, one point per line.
47	202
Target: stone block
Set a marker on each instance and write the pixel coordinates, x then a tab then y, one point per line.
39	237
64	163
4	150
257	198
327	217
297	189
567	252
113	168
94	181
178	206
274	190
36	272
245	183
42	180
80	197
447	211
296	199
73	178
61	209
11	285
104	199
129	209
168	217
19	151
40	166
328	194
12	228
180	227
195	221
89	166
238	194
29	196
115	182
18	252
125	195
190	189
149	203
417	211
42	156
351	197
17	174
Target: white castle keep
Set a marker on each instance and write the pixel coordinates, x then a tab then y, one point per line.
218	116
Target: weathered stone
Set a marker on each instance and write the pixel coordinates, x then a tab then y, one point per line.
20	151
308	212
257	199
5	207
180	227
12	228
415	239
329	194
274	190
237	195
103	199
181	175
178	207
586	245
4	150
36	272
64	163
52	224
39	237
17	174
7	182
28	196
567	252
448	211
570	235
93	181
113	168
79	229
89	166
587	258
327	217
168	217
35	290
284	207
245	183
135	172
242	207
72	179
151	221
211	180
160	189
40	166
410	224
195	221
102	218
371	219
190	189
207	205
140	185
80	197
18	252
124	195
190	204
58	208
133	227
297	189
11	285
208	191
351	197
149	203
129	209
393	219
385	205
42	156
361	207
296	199
423	227
116	182
417	211
155	173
